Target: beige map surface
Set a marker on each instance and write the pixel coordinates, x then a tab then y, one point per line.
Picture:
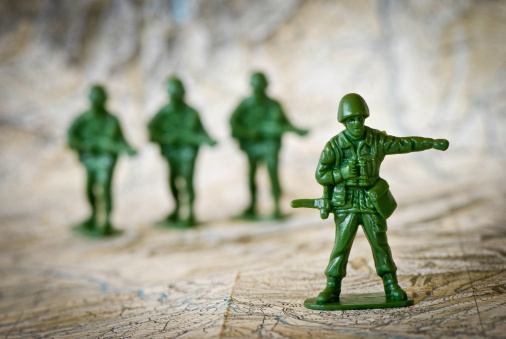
435	69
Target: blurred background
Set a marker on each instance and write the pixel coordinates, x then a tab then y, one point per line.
426	68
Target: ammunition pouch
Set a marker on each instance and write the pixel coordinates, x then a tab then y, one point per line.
339	195
382	198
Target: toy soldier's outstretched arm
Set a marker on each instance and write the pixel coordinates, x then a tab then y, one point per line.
282	124
398	145
121	142
201	135
115	143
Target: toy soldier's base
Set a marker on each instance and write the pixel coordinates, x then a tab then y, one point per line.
90	230
358	302
178	223
173	220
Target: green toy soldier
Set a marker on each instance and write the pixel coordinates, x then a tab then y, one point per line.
353	190
179	132
258	124
97	137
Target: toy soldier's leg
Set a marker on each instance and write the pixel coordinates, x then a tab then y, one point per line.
90	182
253	163
272	167
173	174
107	191
375	229
346	228
188	170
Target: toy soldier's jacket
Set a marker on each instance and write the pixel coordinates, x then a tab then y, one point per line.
365	199
259	125
178	131
350	196
98	140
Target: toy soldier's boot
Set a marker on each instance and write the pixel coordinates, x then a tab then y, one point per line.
331	292
174	216
89	223
191	216
250	211
277	211
190	221
392	289
108	230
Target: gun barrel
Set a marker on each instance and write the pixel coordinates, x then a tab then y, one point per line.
306	203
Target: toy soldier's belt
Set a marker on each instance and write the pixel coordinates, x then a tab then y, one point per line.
380	196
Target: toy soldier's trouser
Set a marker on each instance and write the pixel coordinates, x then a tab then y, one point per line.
271	161
375	230
99	170
182	164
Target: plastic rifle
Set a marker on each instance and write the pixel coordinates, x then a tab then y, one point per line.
323	204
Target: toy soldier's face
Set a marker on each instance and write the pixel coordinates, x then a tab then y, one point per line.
355	126
176	90
97	97
258	84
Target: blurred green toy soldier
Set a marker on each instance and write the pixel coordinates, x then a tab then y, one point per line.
353	190
97	137
179	132
258	124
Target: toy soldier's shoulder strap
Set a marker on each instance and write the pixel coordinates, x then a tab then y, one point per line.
336	192
337	151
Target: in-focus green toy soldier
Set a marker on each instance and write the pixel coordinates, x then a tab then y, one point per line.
353	190
179	132
258	123
97	137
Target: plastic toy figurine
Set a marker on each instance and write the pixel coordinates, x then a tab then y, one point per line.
97	137
179	132
348	170
258	124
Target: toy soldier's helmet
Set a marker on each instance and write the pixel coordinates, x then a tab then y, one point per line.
175	87
258	81
352	105
98	95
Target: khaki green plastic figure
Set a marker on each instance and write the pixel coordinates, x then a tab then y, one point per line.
258	124
179	132
348	170
97	137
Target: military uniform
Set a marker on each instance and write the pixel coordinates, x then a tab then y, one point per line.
258	123
350	200
97	137
258	126
179	132
98	140
353	190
